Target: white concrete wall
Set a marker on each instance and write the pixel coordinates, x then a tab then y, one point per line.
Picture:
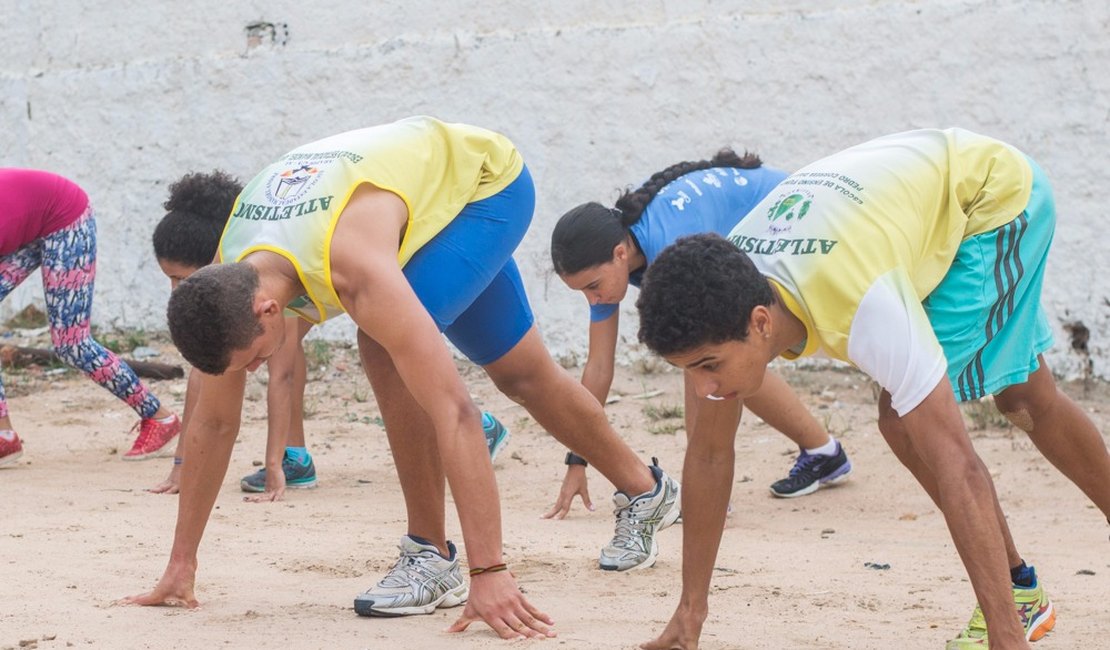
125	96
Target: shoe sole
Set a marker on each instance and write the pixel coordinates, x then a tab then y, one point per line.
453	598
648	562
499	445
247	487
162	452
10	458
835	479
1042	624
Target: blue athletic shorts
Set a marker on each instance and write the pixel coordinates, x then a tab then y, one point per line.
467	280
987	312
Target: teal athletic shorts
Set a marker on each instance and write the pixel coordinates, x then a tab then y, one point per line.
987	312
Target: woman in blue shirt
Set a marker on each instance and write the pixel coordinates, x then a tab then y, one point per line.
600	251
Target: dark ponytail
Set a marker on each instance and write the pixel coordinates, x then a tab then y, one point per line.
633	203
196	213
585	236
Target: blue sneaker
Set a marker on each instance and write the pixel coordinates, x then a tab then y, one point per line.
813	471
497	436
297	476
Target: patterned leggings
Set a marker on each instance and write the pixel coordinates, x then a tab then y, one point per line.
68	261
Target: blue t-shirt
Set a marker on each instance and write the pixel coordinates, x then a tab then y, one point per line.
708	200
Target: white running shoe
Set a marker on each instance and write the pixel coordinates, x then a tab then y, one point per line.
638	520
418	583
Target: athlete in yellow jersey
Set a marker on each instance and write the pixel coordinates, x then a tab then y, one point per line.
409	228
919	258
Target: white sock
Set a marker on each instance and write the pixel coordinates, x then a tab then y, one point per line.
166	420
7	434
827	449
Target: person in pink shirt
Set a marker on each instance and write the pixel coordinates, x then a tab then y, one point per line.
46	221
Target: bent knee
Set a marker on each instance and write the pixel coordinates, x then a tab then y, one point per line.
515	387
1020	418
1022	408
530	384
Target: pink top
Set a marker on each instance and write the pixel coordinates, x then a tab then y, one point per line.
34	204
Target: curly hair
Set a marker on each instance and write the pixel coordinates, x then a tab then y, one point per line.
196	213
700	290
210	314
585	236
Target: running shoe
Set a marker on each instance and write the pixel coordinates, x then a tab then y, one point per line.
812	471
497	435
154	438
297	476
10	447
421	581
638	520
1034	608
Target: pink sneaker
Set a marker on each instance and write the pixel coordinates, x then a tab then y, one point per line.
153	439
10	448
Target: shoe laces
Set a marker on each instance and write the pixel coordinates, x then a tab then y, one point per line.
805	462
412	567
146	427
631	526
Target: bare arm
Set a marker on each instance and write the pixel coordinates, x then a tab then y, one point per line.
212	427
967	498
285	388
597	377
410	336
706	486
376	294
172	483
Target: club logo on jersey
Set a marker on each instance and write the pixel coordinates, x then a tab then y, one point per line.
791	207
289	184
284	194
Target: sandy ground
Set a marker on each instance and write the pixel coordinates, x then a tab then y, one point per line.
79	531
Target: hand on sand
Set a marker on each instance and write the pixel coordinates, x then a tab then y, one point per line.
574	484
171	484
275	488
175	589
496	599
682	633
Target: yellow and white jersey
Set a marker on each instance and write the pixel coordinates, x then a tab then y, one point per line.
293	205
854	242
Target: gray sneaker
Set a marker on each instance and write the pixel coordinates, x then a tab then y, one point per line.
418	583
638	519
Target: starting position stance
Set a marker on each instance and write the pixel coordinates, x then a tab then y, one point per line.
919	258
600	251
187	239
409	228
